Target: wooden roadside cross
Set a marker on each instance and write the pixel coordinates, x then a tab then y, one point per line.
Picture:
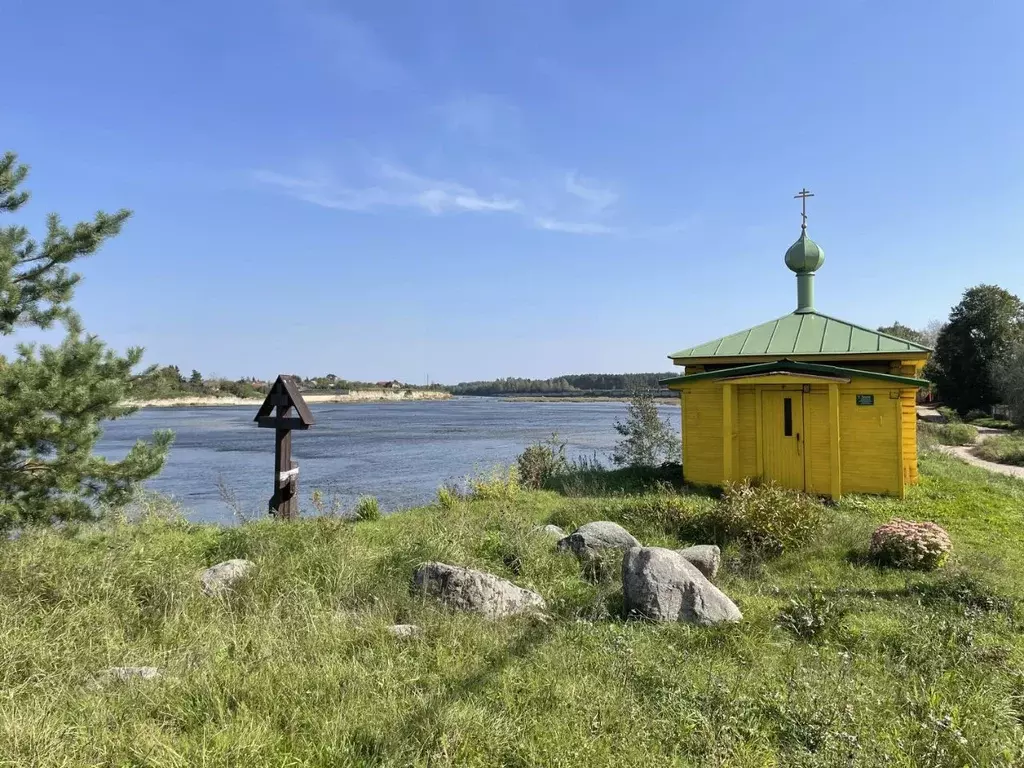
284	396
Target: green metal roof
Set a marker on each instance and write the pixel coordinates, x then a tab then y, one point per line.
808	333
792	366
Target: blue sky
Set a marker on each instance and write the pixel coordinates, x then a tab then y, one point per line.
464	190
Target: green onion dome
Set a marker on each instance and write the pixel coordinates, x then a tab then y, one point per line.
805	256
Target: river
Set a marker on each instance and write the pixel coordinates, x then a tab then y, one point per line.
398	452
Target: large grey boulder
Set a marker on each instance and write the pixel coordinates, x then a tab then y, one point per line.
588	541
475	591
662	585
707	558
222	577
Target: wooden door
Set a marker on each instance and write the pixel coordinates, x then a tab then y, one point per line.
782	437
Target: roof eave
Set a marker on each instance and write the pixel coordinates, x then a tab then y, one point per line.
796	366
683	359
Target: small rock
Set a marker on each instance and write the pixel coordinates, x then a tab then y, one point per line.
662	585
550	530
707	558
127	674
404	631
467	590
222	577
588	540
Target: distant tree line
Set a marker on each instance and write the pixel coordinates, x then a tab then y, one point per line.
583	383
332	382
167	381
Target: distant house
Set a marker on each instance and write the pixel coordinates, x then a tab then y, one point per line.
394	384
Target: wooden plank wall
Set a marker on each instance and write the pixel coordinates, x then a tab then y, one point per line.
702	433
908	406
869	437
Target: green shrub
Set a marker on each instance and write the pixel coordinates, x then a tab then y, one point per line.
812	617
908	544
975	414
950	415
766	517
448	496
1004	449
647	439
367	508
541	462
957	434
500	484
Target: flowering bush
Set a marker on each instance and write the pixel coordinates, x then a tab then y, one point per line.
906	544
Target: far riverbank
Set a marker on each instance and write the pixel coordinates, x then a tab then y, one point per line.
358	396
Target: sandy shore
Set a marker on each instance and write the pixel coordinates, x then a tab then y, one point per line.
361	396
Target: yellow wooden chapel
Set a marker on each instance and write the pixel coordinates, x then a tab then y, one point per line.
814	403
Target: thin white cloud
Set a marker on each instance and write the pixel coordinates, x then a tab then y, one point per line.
438	201
574	227
595	197
396	187
575	205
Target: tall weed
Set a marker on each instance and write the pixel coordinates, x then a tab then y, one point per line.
499	484
367	508
812	617
766	517
542	462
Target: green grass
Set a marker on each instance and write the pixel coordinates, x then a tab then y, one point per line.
953	433
992	423
296	669
1004	449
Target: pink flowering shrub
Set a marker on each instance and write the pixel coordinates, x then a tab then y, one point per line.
906	544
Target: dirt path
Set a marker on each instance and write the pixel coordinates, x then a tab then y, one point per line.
963	452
